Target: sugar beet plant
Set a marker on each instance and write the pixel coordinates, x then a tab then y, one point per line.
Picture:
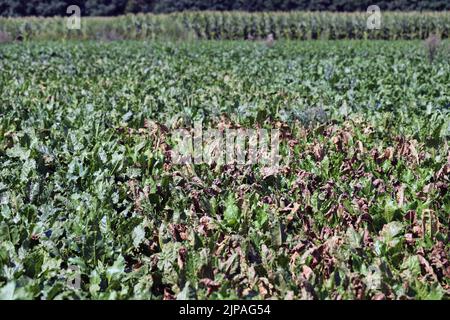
91	205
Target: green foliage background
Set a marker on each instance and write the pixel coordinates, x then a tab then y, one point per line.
294	25
118	7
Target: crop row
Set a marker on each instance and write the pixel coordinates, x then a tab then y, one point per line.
235	25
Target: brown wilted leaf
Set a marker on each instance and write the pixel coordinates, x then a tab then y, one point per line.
318	151
410	216
379	296
179	232
265	287
359	288
440	260
205	226
346	137
307	272
359	146
388	154
210	285
292	143
182	256
336	139
401	195
168	294
444	171
413	150
417	231
367	239
269	171
426	267
289	295
409	239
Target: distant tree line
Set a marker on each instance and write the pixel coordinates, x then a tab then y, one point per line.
119	7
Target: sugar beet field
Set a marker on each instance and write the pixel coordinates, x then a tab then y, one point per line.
92	205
